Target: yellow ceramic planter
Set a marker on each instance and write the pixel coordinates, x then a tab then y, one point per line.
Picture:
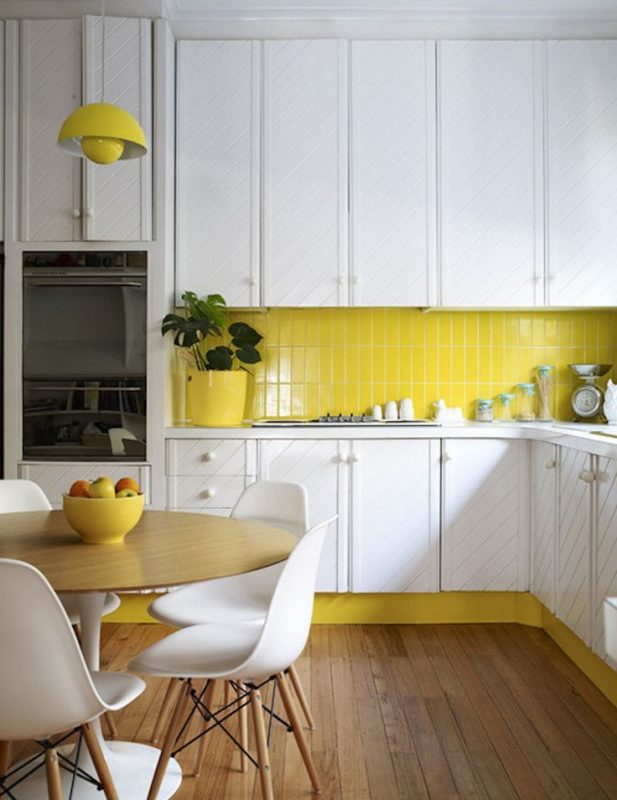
215	397
103	520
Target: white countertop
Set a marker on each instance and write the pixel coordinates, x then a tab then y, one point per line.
580	436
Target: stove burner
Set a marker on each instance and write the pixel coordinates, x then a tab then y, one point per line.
337	419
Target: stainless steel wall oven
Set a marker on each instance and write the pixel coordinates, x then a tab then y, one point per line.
84	356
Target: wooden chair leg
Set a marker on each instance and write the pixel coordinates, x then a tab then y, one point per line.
263	756
100	765
5	757
305	752
111	724
297	687
52	770
159	725
243	716
201	750
168	743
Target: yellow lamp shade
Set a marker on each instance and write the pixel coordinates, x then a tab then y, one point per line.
102	133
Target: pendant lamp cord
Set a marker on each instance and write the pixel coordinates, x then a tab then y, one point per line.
103	51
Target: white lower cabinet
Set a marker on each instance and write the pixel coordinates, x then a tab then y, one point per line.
395	516
318	465
604	565
56	479
576	478
484	515
543	504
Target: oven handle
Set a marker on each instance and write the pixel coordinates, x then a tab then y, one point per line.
82	282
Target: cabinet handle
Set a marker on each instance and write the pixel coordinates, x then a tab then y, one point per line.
209	456
537	278
342	458
550	464
446	457
252	281
356	281
76	213
89	212
340	281
354	458
208	493
587	475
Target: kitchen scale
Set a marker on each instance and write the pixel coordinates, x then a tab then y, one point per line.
587	400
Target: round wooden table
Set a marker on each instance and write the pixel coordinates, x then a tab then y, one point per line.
166	548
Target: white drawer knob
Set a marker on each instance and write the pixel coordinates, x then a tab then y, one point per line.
550	464
89	212
446	457
587	475
76	213
340	281
354	458
342	458
252	281
209	456
207	494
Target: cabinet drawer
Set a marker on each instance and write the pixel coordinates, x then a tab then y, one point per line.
196	492
210	457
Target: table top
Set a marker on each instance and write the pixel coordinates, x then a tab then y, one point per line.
166	548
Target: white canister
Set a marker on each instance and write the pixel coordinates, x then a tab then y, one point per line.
406	409
377	413
391	410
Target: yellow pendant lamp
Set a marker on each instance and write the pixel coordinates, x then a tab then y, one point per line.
102	132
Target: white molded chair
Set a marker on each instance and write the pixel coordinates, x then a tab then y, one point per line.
17	495
46	687
248	655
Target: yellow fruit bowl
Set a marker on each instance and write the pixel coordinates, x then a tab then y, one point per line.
103	520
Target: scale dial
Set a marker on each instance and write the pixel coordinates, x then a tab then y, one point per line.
587	401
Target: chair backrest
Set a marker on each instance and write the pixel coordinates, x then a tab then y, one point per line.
284	505
45	686
21	495
288	621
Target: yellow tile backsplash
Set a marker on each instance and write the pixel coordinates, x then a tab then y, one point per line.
347	359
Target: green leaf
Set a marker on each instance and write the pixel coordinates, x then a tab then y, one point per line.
219	358
248	355
244	334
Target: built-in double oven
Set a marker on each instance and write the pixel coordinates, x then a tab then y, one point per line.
84	356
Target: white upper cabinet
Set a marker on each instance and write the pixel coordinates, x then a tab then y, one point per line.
64	198
392	171
490	168
582	172
218	123
305	173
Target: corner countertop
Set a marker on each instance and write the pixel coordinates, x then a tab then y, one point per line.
591	438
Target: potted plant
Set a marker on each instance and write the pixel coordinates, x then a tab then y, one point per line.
216	379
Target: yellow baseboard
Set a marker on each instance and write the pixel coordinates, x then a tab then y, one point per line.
444	607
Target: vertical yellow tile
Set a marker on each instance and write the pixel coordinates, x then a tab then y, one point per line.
285	364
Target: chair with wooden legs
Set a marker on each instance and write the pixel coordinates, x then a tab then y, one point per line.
241	598
247	655
46	688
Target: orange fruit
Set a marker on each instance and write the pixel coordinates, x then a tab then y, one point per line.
80	489
127	483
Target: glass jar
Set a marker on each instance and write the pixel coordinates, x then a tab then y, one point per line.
525	402
504	407
545	377
484	410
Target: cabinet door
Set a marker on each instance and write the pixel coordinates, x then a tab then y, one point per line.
217	219
605	566
573	559
50	192
316	465
392	173
305	172
582	172
490	170
118	197
395	516
56	479
543	521
484	526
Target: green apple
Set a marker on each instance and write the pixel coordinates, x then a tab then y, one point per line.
102	487
126	493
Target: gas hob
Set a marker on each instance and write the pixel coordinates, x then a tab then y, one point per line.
342	420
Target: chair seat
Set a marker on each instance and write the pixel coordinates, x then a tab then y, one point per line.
70	601
239	598
200	651
116	689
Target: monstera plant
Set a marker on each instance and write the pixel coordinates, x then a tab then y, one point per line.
207	317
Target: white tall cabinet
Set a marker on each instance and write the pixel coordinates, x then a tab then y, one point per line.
581	115
392	173
490	169
63	198
484	542
305	172
217	169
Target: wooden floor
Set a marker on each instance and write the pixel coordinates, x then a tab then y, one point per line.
427	711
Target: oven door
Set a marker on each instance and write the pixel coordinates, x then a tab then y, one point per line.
84	327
